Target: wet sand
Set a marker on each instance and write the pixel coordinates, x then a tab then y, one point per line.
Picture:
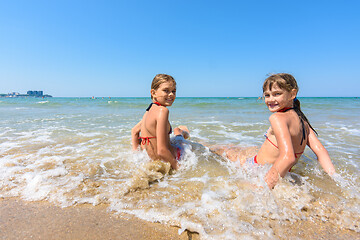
41	220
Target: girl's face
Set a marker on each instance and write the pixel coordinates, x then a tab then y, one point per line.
277	98
165	94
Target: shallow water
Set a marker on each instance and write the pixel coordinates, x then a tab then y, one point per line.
77	150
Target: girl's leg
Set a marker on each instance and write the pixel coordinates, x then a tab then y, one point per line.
182	130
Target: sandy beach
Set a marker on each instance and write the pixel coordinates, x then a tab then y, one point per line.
41	220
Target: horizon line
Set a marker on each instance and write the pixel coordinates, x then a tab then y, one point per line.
97	97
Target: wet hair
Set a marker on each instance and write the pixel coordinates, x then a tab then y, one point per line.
159	79
286	82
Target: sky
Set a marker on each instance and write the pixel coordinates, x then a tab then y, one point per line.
70	48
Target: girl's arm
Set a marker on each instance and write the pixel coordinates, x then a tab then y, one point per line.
162	138
286	157
321	153
135	134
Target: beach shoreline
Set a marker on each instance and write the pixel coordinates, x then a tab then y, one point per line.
41	220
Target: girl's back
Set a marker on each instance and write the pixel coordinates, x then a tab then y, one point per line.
148	129
269	151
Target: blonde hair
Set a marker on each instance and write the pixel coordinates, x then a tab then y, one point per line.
159	79
286	82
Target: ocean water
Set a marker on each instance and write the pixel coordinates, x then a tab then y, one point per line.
71	151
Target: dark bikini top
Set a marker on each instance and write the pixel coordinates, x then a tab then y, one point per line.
147	139
156	103
303	132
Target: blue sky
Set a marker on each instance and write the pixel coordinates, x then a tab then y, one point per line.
212	48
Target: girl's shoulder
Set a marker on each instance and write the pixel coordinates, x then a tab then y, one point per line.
159	112
157	108
162	109
280	120
278	116
281	116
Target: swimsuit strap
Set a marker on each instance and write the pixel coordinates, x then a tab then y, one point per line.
270	141
285	109
296	154
157	103
148	108
145	139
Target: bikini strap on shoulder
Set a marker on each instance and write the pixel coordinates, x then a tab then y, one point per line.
285	109
157	103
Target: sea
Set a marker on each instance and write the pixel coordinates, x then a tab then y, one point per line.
73	151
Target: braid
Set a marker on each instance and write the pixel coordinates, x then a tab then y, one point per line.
301	114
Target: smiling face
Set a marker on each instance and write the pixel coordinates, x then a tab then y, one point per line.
165	94
277	98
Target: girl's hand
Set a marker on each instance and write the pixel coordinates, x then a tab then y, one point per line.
135	134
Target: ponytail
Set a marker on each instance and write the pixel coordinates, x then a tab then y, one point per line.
301	114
